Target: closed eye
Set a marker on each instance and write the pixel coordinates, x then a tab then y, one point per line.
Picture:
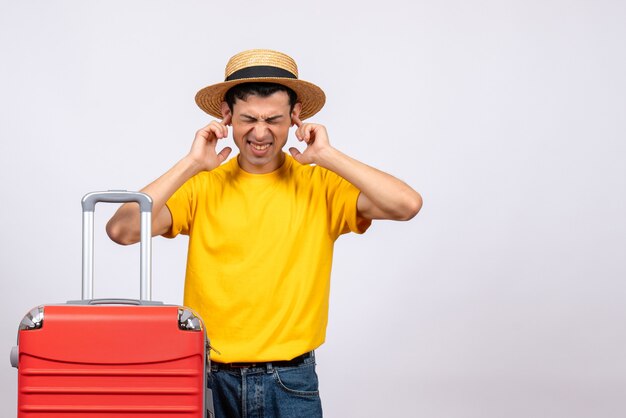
274	119
271	120
248	119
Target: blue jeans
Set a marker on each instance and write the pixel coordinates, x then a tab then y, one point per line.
266	391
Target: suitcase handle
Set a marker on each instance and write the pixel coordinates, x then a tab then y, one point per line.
118	196
113	302
109	301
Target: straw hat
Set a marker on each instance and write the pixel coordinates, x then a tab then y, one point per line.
262	65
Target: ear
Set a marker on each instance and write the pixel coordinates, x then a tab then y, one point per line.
297	108
226	113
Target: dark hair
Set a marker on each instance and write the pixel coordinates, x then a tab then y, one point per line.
242	91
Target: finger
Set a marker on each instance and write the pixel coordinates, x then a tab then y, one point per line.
223	155
205	133
295	153
299	133
306	134
296	120
223	129
227	120
211	132
218	129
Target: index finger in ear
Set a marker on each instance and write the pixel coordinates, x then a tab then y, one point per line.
227	119
297	121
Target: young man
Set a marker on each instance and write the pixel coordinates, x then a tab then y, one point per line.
261	231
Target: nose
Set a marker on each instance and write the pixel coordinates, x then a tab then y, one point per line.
260	130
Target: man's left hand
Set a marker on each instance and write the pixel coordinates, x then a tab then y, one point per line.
316	139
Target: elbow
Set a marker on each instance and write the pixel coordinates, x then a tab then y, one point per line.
411	207
119	234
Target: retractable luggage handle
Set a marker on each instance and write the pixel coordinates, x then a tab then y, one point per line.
118	196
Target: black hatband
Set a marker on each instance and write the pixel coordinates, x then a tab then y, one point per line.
260	71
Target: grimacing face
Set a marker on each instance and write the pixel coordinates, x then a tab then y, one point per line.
260	130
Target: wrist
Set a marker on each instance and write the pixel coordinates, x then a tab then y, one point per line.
190	165
327	157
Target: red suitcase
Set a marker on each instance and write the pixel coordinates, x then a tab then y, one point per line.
118	358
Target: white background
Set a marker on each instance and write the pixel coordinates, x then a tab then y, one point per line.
504	297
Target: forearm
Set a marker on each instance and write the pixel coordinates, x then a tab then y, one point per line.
124	226
383	196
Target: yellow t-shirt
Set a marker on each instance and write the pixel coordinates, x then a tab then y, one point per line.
260	254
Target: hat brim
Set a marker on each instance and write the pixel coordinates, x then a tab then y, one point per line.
311	96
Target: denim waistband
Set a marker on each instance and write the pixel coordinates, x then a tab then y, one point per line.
296	361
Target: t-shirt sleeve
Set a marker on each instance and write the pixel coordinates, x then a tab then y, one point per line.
181	205
342	204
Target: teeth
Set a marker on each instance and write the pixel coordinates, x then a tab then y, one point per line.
260	147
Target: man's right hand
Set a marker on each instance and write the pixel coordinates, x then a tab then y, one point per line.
203	150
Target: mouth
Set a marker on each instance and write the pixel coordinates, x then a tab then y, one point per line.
259	147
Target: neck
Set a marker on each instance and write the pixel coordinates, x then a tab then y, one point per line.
261	168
